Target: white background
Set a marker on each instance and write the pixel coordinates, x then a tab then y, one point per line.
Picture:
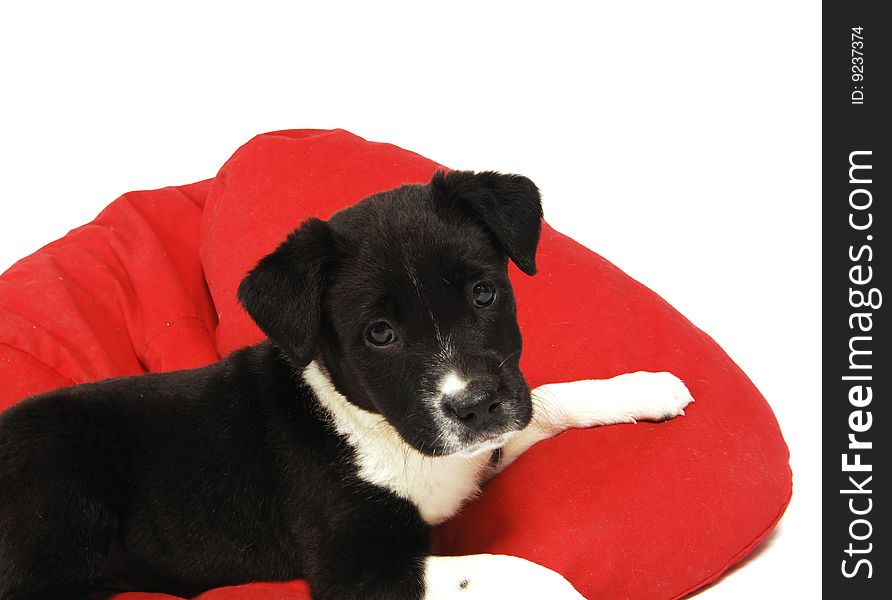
681	140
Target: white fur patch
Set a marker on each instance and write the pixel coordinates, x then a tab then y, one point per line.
452	383
488	576
437	486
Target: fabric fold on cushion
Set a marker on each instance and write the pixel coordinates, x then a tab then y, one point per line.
122	295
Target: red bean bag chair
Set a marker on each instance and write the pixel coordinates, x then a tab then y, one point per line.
628	511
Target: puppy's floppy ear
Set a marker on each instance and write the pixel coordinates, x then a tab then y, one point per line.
508	205
283	293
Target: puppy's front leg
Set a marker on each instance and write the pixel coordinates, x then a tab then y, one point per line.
488	576
627	398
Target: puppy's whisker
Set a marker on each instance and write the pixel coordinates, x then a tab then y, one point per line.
546	406
501	364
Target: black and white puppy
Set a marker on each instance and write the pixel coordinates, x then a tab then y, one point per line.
388	392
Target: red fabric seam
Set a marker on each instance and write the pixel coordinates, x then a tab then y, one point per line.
740	555
39	361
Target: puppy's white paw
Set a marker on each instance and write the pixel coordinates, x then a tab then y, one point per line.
627	398
650	396
487	576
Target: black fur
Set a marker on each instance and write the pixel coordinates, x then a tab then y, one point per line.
231	473
283	292
507	204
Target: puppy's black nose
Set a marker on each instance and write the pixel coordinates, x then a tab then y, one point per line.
476	409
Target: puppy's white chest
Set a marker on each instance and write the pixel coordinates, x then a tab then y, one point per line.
437	486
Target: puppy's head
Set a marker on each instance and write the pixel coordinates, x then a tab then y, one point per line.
405	300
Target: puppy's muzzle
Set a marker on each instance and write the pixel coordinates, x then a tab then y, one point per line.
478	409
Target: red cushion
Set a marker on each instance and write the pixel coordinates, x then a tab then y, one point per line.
630	511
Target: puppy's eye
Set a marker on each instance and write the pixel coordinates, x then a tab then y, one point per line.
381	334
484	294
